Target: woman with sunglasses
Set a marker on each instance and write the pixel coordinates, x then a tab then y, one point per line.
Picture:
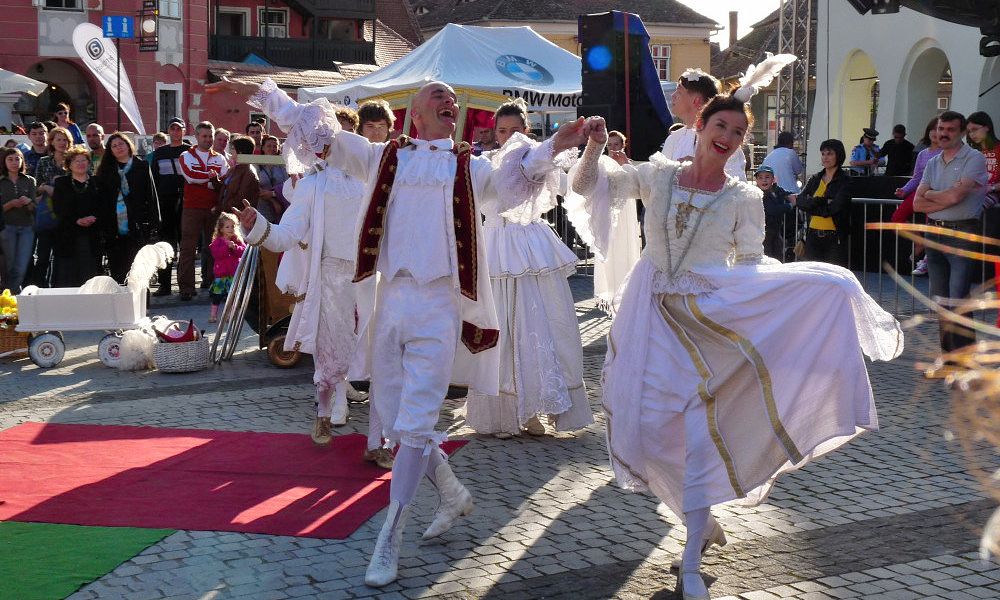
62	119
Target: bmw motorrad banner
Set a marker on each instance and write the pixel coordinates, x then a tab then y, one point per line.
101	57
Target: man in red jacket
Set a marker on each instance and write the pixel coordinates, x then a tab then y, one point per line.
203	170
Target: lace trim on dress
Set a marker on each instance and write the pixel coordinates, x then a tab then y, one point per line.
685	283
310	128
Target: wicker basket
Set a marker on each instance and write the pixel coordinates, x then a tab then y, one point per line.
181	357
13	342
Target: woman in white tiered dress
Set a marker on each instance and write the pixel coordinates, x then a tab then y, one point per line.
541	369
724	368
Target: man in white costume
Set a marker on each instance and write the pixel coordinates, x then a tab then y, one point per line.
694	89
434	321
316	237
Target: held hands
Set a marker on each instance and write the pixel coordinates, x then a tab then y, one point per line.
86	221
231	245
242	89
247	215
898	193
578	132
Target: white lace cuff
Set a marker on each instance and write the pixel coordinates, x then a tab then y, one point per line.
309	127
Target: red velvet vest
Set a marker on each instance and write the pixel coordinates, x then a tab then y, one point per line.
475	338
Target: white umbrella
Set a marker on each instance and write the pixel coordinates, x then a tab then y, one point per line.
12	83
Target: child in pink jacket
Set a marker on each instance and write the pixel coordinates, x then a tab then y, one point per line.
227	248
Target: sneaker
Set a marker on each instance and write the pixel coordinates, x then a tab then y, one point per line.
920	269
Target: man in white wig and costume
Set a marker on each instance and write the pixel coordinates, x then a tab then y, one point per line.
434	321
316	235
714	384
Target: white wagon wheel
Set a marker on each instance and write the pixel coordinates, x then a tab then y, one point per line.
46	349
109	350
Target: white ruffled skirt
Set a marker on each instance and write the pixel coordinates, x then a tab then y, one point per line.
541	365
711	394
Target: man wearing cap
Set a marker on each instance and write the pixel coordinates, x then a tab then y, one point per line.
865	156
899	153
169	181
779	212
784	161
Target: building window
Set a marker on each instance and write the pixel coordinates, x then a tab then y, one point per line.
232	22
170	9
661	60
168	103
64	4
277	22
943	103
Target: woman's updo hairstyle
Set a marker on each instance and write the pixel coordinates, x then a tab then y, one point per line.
725	102
513	108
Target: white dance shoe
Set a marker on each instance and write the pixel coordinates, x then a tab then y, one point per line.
338	414
716	537
456	501
684	593
384	566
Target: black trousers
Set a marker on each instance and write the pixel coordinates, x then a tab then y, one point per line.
826	246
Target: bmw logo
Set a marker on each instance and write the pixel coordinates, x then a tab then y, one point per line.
523	70
95	49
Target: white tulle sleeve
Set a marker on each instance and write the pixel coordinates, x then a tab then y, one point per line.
748	231
529	183
598	189
309	127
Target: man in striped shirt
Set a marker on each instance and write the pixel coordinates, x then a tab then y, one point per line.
203	169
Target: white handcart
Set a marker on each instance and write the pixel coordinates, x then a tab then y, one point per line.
45	313
101	304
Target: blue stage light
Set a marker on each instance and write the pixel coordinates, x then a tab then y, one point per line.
599	58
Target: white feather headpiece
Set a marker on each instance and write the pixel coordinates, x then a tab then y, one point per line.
694	74
759	76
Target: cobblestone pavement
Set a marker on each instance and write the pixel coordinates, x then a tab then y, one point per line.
894	515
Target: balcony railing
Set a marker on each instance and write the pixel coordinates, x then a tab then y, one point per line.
344	9
300	53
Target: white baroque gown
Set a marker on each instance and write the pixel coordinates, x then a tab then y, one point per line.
541	365
724	368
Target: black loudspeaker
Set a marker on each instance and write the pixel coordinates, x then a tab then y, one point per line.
620	82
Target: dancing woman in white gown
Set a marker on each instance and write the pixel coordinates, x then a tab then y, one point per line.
541	364
724	368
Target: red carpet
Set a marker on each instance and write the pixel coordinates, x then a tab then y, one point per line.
272	483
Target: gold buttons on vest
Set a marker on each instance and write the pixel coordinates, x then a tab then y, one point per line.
386	187
458	224
370	251
375	230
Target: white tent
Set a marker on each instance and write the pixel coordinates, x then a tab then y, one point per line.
513	61
12	83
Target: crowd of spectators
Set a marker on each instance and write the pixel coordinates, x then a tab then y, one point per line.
77	203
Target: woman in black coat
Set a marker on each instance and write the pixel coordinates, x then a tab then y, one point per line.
127	189
80	222
826	199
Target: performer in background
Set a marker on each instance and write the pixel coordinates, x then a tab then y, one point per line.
541	365
694	89
434	321
317	235
714	384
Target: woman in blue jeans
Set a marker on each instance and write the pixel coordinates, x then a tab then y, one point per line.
17	199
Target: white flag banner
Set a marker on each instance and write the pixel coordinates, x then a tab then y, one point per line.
101	57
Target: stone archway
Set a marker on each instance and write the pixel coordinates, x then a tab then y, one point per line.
989	87
857	98
67	83
928	88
